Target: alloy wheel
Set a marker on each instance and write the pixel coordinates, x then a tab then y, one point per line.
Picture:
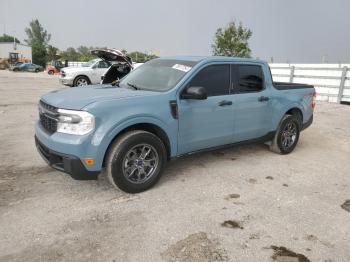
140	163
82	82
289	135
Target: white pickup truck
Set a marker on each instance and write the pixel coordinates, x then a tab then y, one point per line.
90	73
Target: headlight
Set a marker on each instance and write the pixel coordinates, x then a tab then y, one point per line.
66	73
75	122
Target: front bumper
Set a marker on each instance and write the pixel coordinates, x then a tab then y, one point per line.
66	81
69	164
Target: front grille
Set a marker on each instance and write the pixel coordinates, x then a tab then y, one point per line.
48	123
48	116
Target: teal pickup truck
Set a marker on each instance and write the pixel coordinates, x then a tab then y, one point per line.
166	108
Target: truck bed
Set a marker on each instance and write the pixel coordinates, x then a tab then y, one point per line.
286	86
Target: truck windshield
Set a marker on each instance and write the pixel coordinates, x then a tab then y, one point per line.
157	75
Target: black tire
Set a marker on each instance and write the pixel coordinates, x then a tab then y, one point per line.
37	70
277	144
15	70
50	72
79	79
117	158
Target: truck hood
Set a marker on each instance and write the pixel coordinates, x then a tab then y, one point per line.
78	97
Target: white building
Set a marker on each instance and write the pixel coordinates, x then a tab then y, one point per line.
19	51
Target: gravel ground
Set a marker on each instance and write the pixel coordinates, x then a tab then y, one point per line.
240	204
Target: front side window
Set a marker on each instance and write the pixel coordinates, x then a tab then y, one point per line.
214	78
103	64
250	78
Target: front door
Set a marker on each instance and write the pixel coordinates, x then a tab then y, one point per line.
207	123
252	103
99	70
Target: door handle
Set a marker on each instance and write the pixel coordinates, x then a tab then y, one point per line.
225	103
263	99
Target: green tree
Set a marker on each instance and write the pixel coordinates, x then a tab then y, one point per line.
70	54
232	40
36	33
84	53
39	54
140	57
52	53
8	38
137	56
39	39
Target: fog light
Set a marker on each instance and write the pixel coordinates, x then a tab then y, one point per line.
89	162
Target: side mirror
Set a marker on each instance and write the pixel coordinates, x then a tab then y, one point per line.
195	92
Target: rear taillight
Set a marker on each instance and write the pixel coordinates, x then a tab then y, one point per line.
313	100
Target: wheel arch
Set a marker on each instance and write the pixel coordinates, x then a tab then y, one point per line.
145	126
75	78
297	112
292	109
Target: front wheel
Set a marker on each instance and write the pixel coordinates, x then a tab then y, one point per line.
135	161
51	72
287	135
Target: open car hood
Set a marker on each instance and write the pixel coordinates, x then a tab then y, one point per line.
112	55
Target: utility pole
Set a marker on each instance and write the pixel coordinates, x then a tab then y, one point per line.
14	41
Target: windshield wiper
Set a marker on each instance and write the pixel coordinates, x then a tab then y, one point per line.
133	86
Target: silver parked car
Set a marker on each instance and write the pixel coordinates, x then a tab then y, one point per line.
90	73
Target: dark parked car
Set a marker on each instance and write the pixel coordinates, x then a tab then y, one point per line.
17	64
29	67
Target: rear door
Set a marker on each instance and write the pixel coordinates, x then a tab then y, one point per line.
31	68
207	123
252	102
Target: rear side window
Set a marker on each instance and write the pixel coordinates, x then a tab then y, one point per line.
215	79
250	78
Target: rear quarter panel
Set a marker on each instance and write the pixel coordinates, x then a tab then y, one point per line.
284	100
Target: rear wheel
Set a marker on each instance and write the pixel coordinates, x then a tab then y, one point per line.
37	70
287	135
51	72
81	81
135	161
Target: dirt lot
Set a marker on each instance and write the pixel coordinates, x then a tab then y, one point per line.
239	204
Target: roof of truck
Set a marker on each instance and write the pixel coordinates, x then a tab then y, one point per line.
211	58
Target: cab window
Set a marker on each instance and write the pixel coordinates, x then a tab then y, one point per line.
214	78
249	78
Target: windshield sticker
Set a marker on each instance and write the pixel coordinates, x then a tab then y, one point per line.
182	67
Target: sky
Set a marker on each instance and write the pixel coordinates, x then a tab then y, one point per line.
296	31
